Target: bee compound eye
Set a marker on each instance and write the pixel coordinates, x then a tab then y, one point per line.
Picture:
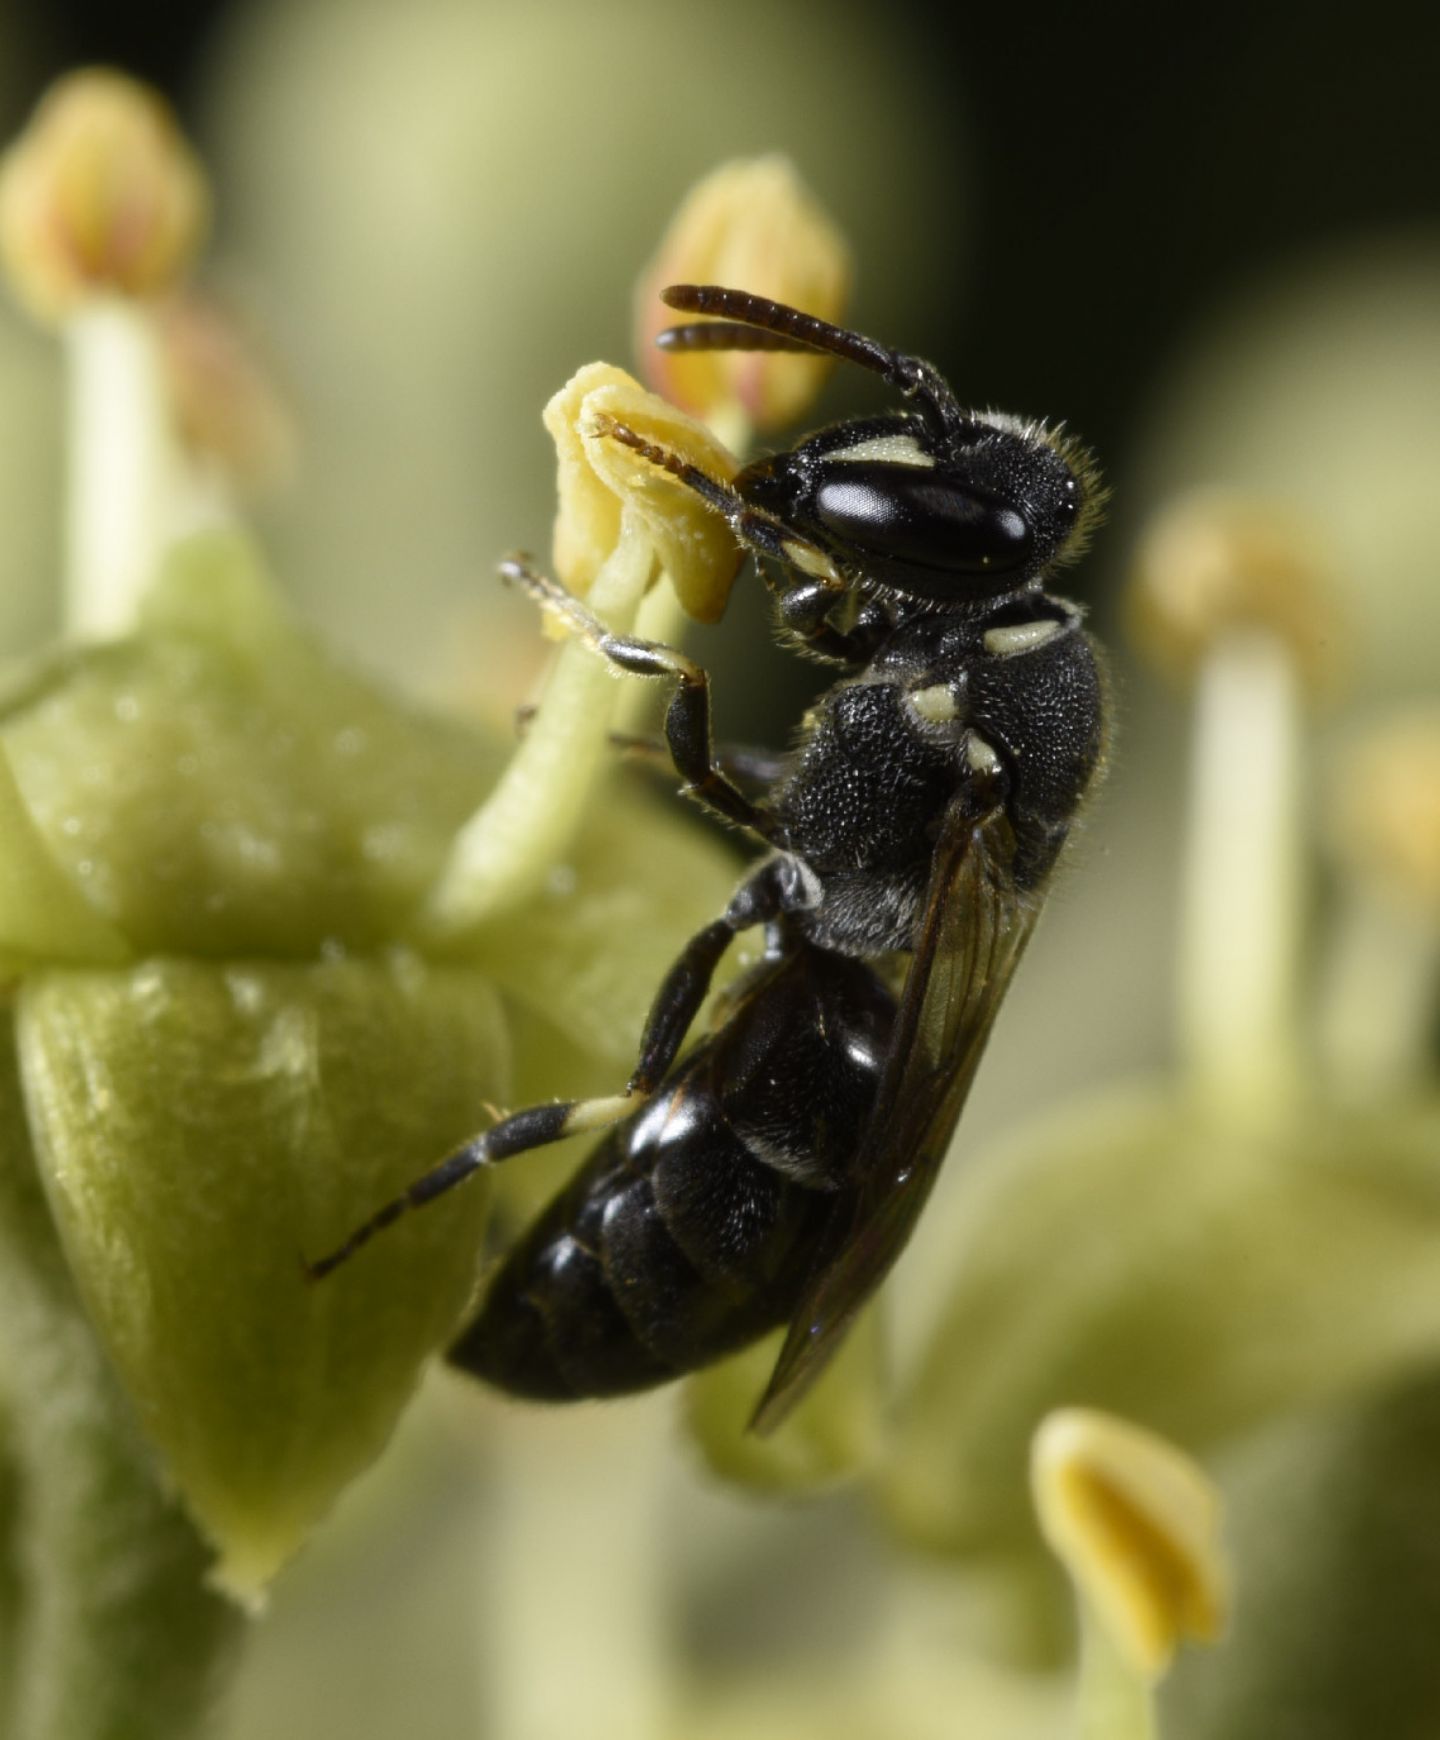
923	520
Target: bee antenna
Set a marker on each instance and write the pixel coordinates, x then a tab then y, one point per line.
750	322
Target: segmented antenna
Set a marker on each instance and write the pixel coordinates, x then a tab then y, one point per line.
750	322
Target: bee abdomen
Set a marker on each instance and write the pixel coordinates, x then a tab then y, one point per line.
690	1230
601	1298
550	1329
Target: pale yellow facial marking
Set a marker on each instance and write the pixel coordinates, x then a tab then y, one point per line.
1021	637
936	705
811	561
891	449
980	755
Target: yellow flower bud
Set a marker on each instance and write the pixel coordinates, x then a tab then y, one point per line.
100	194
226	406
1136	1523
601	479
1213	564
1385	820
752	225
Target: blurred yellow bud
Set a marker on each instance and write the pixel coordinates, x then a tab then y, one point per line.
601	479
1136	1523
100	194
226	406
1385	816
1213	564
752	225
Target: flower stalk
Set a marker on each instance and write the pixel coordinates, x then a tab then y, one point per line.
587	1501
529	819
102	206
1378	989
1112	1701
124	467
1377	998
1230	596
1240	932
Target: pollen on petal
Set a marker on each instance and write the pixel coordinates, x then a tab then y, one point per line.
603	477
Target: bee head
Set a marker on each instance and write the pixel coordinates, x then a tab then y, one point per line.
935	502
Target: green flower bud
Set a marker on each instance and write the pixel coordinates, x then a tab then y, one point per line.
216	785
43	916
204	1127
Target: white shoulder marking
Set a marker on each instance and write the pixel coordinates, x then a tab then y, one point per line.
1021	637
892	449
936	705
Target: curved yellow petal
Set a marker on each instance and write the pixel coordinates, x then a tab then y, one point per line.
1136	1523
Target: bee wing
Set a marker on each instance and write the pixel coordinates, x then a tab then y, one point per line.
973	933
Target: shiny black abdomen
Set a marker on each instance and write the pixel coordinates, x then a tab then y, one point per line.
689	1231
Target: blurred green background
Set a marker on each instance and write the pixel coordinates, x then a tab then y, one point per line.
1208	240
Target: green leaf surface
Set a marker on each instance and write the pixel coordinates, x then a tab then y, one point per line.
202	1128
1195	1276
588	954
218	786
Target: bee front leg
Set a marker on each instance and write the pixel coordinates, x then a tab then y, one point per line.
688	730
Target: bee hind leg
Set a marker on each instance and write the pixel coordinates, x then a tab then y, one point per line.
759	898
534	1127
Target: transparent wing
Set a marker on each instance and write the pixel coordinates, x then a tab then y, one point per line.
974	930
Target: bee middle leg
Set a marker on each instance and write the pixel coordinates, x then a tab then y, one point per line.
759	899
688	730
745	763
742	763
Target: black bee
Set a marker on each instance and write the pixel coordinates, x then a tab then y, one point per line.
773	1175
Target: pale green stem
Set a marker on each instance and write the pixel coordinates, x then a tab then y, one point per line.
1113	1701
661	618
124	467
527	823
574	1634
1377	997
1240	934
